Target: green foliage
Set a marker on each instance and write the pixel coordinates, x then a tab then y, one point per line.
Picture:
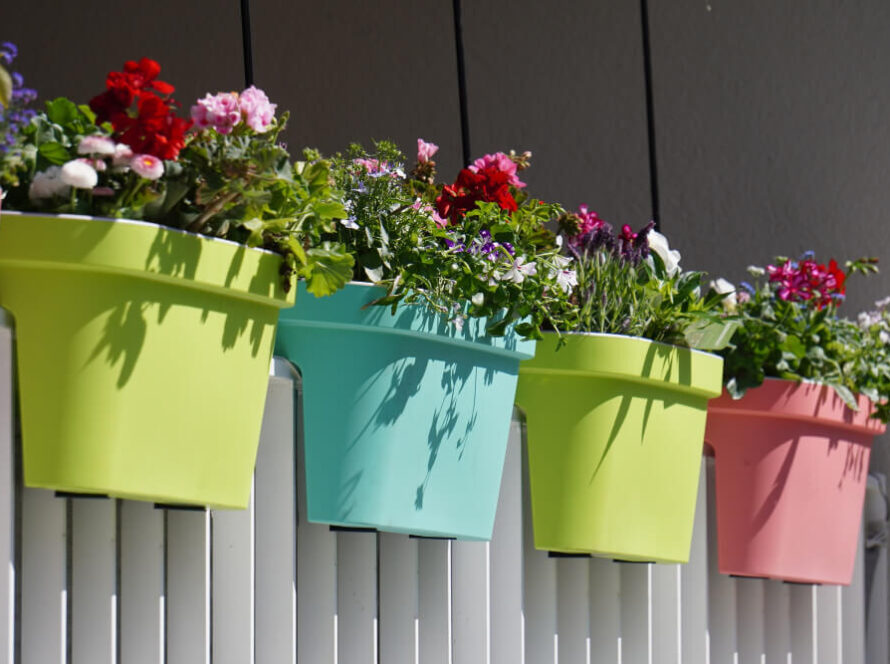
240	186
796	340
492	264
5	87
638	296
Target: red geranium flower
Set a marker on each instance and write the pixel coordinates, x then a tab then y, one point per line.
152	126
488	184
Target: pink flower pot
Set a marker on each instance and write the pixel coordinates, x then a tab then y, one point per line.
791	465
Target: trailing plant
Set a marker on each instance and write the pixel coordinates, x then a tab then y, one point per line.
631	283
476	248
790	328
221	173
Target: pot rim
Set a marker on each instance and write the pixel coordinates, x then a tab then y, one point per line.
627	336
132	222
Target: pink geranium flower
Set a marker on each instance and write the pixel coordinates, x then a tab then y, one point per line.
425	151
259	112
501	162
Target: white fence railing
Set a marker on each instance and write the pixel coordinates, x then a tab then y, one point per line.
95	581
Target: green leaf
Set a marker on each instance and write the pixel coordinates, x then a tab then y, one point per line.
54	153
5	87
61	111
327	271
707	334
330	210
844	393
795	346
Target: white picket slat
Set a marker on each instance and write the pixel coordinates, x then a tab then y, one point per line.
434	601
357	597
94	592
694	583
505	554
539	592
852	624
7	495
777	622
750	611
636	613
188	587
232	582
398	599
470	603
605	611
666	614
275	515
828	624
316	572
803	608
572	610
44	610
142	599
721	591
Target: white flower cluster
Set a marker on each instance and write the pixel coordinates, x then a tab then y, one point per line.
868	319
83	172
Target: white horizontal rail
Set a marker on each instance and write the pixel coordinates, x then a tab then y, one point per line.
94	581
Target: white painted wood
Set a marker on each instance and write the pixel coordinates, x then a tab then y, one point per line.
316	572
188	587
7	495
539	592
142	600
232	582
470	603
573	610
636	613
605	611
852	624
94	595
434	601
721	591
44	610
694	583
666	614
276	527
398	598
828	624
357	597
506	556
803	610
777	622
750	611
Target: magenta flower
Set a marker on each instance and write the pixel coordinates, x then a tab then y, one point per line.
425	151
501	162
259	113
220	112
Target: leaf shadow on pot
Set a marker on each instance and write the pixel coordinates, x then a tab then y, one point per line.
134	306
642	388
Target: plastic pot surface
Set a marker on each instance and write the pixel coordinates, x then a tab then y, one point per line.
791	466
143	356
615	428
406	418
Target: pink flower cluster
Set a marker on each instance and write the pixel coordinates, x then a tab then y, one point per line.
425	151
501	162
225	110
808	281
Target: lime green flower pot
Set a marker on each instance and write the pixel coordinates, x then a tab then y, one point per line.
406	418
615	430
143	355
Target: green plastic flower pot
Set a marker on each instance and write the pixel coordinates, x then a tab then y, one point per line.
143	356
406	418
615	430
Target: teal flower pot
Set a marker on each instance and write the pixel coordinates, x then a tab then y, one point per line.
405	418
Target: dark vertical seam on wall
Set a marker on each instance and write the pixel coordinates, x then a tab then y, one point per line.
246	43
461	82
650	114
